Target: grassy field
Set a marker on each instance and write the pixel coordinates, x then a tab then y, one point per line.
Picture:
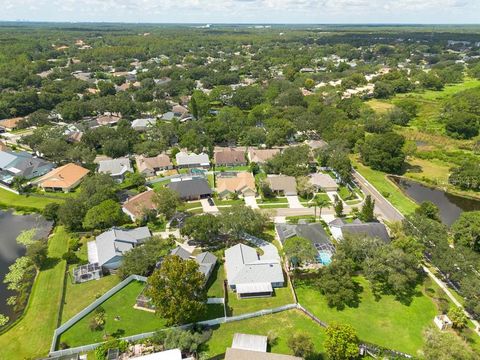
11	200
32	335
78	296
119	306
386	322
215	283
386	187
283	325
283	296
274	200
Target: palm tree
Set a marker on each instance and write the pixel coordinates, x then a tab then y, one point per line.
320	203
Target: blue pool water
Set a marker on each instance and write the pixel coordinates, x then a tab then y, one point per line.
324	257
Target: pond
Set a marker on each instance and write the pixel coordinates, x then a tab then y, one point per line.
450	206
10	227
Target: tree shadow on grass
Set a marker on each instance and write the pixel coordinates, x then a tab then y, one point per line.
50	263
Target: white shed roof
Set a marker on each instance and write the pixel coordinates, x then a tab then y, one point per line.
250	342
254	288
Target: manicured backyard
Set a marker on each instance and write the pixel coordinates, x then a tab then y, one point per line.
283	325
32	335
385	322
215	282
120	319
11	200
236	306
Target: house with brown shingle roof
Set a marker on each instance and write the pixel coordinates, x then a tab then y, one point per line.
282	185
242	183
10	124
137	206
3	146
261	156
65	178
108	119
229	157
149	166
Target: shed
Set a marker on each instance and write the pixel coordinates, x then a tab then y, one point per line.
250	342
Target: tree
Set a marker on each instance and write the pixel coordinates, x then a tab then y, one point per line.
50	212
185	340
336	284
4	320
445	346
300	250
466	230
106	88
177	291
239	220
27	237
462	125
167	201
293	161
338	206
321	203
37	253
341	342
458	317
141	260
205	228
466	176
367	213
301	345
104	215
384	152
429	210
305	187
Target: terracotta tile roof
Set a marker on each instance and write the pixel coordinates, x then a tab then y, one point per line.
152	163
10	123
137	204
64	177
242	181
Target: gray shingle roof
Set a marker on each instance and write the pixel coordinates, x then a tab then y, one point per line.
192	159
313	232
372	229
191	187
115	167
181	252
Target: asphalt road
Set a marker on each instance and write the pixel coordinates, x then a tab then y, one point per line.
382	206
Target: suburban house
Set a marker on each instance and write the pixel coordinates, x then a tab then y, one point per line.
108	119
261	156
282	184
21	164
253	347
168	116
180	111
65	178
323	182
149	166
10	124
339	228
242	183
251	275
192	160
137	206
230	157
191	188
314	232
143	124
206	260
108	248
116	168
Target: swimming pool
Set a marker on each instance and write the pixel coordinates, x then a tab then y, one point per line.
324	257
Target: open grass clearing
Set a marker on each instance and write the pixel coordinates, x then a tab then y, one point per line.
283	325
31	336
273	200
386	322
25	202
273	206
236	306
215	283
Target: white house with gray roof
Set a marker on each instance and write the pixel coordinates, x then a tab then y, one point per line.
251	275
185	160
116	168
108	248
206	260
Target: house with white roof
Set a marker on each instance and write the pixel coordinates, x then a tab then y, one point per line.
192	160
251	275
116	168
108	248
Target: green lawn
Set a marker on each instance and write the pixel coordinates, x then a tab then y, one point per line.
159	184
386	187
386	322
11	200
295	219
215	283
131	321
32	335
236	306
273	206
345	193
193	204
78	296
283	325
274	200
229	202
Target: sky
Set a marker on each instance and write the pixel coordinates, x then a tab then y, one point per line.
245	11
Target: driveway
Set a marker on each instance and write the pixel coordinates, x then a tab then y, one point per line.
251	201
294	202
207	208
